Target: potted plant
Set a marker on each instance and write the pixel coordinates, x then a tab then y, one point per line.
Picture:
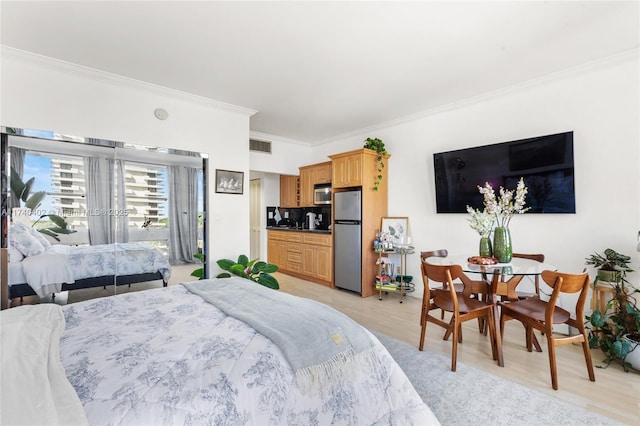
22	191
617	330
255	270
378	146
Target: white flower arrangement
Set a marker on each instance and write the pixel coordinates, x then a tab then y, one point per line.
480	221
506	206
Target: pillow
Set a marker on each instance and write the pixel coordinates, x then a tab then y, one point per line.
15	255
40	237
24	242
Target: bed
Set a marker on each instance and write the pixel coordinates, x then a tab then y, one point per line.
37	267
169	356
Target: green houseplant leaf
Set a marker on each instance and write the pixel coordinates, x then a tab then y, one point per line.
254	270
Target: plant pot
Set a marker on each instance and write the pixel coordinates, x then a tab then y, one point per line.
485	247
609	276
633	357
502	249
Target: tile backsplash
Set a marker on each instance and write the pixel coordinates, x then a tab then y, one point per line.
297	215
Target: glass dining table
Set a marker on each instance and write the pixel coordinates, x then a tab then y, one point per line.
499	286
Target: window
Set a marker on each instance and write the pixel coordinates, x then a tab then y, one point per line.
65	183
66	175
65	166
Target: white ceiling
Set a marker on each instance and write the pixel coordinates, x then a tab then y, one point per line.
317	70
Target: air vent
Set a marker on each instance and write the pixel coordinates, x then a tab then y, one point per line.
260	146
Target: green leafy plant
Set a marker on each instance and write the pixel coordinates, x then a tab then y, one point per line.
22	191
615	263
255	270
617	330
199	272
378	146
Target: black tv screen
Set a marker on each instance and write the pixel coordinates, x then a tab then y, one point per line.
545	163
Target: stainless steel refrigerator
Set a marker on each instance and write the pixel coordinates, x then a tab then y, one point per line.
347	250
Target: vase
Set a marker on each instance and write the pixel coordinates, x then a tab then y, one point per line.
485	247
502	249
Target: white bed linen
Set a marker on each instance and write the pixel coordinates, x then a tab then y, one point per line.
166	357
35	389
45	273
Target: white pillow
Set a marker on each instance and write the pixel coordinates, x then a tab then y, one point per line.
42	239
15	255
22	240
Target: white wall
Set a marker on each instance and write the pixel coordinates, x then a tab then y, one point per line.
285	158
270	196
40	93
599	102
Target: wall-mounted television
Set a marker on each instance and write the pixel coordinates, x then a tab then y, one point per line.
545	163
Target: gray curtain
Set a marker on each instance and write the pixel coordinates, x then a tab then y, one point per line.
122	220
17	162
183	213
100	199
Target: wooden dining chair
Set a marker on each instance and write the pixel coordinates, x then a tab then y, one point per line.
542	315
461	306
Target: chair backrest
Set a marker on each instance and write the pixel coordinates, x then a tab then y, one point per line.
441	274
570	284
433	253
537	257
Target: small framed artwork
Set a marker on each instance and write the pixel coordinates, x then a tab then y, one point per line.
229	182
397	228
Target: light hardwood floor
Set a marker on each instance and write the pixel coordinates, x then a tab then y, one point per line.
615	394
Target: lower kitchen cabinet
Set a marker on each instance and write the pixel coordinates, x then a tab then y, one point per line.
302	254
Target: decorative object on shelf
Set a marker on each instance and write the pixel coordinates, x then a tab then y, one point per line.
398	230
482	223
255	270
510	202
229	182
616	331
378	146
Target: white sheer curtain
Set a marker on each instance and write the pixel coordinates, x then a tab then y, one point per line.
183	213
100	199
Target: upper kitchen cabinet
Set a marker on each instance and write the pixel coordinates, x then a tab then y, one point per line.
289	191
310	176
356	168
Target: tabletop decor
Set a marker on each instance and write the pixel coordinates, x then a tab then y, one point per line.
482	223
510	202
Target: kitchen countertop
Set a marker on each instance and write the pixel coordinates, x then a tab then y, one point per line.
315	231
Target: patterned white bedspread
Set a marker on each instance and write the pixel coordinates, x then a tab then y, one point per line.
167	357
113	259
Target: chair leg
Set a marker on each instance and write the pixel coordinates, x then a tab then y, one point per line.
454	346
587	356
490	324
422	333
552	362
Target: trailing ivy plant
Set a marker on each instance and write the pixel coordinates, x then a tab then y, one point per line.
255	270
378	146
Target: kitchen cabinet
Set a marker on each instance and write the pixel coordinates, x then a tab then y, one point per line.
306	255
310	176
289	191
359	168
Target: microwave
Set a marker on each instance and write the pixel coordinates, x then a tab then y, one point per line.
322	194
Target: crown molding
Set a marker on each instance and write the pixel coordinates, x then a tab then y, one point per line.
116	80
605	62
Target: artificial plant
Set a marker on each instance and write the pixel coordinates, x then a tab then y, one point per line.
255	270
617	330
22	191
378	146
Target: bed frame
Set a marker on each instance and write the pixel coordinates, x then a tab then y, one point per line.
23	290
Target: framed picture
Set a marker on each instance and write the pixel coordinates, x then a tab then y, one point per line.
397	228
229	182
